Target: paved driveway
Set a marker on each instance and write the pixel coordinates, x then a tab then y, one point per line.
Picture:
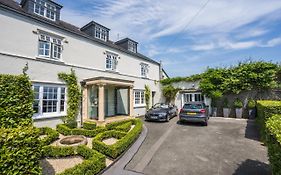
225	147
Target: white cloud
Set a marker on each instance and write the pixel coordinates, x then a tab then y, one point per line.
145	20
273	42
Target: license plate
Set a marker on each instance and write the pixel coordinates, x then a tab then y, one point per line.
191	113
153	117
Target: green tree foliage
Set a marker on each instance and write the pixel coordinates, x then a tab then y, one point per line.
147	94
169	81
169	92
16	98
73	96
245	76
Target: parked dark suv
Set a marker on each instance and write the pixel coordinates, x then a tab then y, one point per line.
194	112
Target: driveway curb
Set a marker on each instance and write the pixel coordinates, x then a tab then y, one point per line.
118	167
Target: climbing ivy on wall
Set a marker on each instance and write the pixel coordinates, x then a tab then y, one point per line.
215	82
170	92
73	96
147	94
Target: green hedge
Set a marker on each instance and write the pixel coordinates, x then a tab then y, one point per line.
65	130
273	141
89	125
16	98
20	151
126	139
124	127
265	110
94	161
50	135
113	125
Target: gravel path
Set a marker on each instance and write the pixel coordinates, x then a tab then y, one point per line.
53	166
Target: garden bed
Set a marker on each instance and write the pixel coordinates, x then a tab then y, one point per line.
90	158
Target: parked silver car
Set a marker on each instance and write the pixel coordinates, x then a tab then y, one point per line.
194	112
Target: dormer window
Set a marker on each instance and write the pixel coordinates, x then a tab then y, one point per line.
132	46
100	33
44	9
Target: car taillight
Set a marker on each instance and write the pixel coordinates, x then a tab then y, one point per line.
202	111
181	110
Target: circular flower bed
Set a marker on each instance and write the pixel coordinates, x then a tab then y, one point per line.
74	140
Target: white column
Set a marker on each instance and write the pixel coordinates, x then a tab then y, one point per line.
101	103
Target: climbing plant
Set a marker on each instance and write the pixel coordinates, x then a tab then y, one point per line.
73	96
170	92
147	94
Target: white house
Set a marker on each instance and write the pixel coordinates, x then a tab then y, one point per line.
112	74
190	92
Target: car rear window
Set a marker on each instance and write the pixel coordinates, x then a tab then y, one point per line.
193	106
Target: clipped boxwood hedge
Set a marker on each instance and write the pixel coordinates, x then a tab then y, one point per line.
126	139
94	161
265	110
50	135
124	127
89	125
273	141
16	100
20	151
113	125
65	130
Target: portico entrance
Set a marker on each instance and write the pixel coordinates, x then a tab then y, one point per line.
106	97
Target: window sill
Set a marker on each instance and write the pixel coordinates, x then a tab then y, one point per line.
49	60
48	116
139	106
112	71
144	77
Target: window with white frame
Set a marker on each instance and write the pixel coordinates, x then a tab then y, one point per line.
49	100
111	61
139	97
101	33
50	47
132	46
144	70
44	9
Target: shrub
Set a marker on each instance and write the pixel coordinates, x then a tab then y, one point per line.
89	125
121	145
16	98
94	161
58	151
50	135
65	130
225	103
170	92
113	125
273	141
20	151
238	103
147	94
251	104
265	110
124	127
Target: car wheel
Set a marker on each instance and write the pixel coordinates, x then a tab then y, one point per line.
167	118
205	123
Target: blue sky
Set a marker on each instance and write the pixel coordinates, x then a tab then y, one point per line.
223	33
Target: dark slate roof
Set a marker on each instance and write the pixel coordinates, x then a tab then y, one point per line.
15	7
125	40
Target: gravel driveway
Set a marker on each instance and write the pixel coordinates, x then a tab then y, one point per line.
225	147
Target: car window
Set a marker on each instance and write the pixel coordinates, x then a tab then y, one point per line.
193	106
160	105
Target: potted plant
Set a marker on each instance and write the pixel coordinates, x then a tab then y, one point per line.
252	108
214	107
226	108
238	105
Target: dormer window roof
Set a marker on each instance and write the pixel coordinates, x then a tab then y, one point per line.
96	30
128	44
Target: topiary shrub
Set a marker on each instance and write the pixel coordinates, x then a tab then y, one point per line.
49	134
238	103
126	139
251	104
265	110
113	125
65	130
16	98
89	125
273	142
124	127
20	151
